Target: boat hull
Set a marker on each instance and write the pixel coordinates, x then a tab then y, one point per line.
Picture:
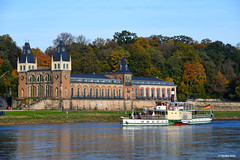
164	122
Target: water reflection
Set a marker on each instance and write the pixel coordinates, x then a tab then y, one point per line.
111	141
168	141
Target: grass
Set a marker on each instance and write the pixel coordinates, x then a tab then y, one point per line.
226	114
56	116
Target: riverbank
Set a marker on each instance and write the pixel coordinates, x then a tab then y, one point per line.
56	116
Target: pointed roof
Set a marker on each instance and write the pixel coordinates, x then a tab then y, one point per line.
27	54
61	51
123	67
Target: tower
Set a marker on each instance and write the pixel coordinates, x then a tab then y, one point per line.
25	64
61	72
124	73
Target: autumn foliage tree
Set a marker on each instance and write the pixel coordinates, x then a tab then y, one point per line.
193	80
42	59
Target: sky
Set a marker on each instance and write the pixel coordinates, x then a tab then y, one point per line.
41	21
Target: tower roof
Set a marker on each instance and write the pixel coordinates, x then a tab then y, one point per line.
123	67
61	51
27	54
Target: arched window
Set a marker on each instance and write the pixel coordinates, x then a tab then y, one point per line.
147	94
58	66
56	92
67	66
90	92
84	92
102	92
119	92
29	67
65	92
141	92
136	92
20	68
163	92
72	92
158	93
24	68
152	92
32	67
114	94
78	92
96	92
108	92
64	66
55	66
22	92
168	93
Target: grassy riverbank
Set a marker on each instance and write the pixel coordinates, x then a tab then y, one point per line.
56	116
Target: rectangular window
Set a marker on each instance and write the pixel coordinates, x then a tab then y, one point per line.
158	93
55	66
152	92
163	93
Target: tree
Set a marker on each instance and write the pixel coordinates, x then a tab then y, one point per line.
139	60
67	38
125	37
193	79
9	50
42	59
81	39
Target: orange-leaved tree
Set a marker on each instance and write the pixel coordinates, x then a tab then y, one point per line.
42	59
193	79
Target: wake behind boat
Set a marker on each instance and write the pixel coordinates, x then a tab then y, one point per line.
169	113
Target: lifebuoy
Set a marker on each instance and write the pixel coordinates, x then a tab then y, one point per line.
171	108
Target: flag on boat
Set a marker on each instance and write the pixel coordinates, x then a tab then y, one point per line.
207	106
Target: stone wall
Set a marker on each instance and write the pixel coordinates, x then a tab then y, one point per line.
218	106
101	104
88	104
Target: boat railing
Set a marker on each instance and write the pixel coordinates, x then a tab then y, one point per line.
201	115
149	117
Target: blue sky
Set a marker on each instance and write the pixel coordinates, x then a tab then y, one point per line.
41	21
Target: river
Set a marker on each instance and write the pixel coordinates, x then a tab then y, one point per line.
219	140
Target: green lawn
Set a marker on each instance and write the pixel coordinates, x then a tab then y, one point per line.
56	116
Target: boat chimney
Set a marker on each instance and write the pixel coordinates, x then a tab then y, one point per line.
172	95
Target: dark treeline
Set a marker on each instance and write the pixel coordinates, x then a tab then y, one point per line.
203	69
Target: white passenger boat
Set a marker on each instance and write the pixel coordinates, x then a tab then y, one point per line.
169	113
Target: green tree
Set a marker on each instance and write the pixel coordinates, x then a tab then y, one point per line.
125	37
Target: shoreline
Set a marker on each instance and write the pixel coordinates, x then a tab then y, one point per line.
56	116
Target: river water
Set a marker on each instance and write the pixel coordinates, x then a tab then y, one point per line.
219	140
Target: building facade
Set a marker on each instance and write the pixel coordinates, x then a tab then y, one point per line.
58	83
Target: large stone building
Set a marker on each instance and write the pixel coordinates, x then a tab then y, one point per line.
104	90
